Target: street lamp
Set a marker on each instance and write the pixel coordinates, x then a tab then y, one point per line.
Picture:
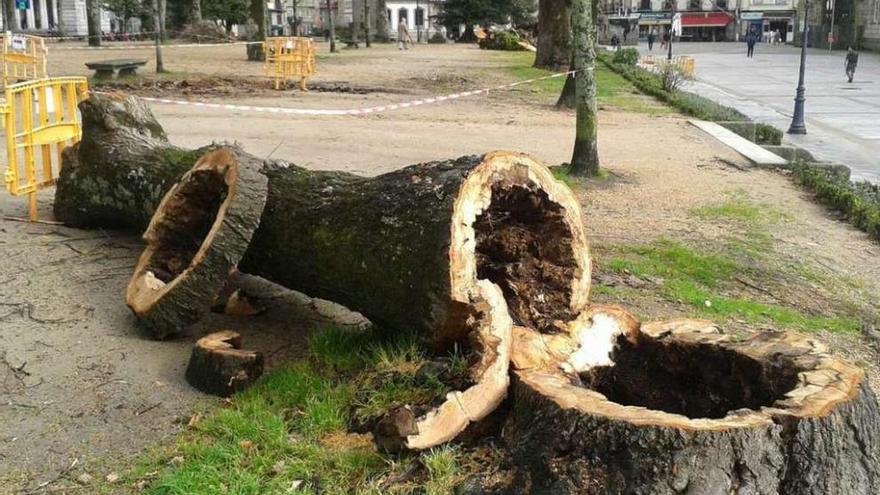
797	119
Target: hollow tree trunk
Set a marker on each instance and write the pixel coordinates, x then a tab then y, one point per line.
686	409
119	171
554	35
419	249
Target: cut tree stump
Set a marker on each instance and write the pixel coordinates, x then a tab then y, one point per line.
687	409
197	236
120	170
219	366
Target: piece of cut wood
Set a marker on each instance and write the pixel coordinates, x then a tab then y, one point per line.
197	236
219	366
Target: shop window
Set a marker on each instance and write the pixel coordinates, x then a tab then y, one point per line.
420	17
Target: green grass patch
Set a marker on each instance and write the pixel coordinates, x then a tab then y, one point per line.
704	282
289	433
738	208
611	88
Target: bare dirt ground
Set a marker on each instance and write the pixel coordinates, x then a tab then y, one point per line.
79	384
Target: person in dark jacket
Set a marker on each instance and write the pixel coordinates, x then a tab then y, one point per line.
751	39
852	60
650	40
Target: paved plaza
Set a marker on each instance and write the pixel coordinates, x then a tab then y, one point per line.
843	119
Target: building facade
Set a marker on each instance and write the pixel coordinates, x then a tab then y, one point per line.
43	16
701	20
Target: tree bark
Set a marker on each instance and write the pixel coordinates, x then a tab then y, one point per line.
367	30
59	21
585	158
117	174
219	366
258	15
93	19
160	65
789	418
568	97
331	25
554	35
195	11
381	20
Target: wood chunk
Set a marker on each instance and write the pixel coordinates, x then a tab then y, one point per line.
219	366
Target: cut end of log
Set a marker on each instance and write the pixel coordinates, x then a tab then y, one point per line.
200	230
515	225
219	366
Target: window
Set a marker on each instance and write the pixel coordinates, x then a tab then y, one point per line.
876	15
403	15
722	4
695	4
420	17
645	5
388	14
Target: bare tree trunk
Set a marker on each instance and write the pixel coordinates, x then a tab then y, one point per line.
330	21
195	11
367	23
554	34
93	18
381	20
356	12
59	19
258	15
160	65
585	158
162	15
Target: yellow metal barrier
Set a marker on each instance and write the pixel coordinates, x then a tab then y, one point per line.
24	58
41	119
289	57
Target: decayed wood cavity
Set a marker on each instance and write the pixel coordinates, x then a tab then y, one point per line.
525	246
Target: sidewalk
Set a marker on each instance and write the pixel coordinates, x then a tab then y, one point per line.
843	119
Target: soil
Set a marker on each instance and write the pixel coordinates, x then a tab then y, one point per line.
79	383
524	246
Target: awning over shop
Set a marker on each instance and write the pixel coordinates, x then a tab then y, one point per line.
704	19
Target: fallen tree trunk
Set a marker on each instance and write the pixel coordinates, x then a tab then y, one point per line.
686	409
120	170
420	249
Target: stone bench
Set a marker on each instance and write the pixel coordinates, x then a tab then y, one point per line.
105	69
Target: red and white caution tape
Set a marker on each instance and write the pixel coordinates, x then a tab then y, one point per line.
356	111
153	46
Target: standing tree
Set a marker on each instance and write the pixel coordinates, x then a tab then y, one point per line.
554	34
381	20
585	159
367	23
59	22
160	65
331	26
258	16
195	11
93	19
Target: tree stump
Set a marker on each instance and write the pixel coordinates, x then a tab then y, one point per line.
120	170
219	366
687	409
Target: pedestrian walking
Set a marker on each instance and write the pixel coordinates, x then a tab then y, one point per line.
650	40
852	60
751	39
403	35
615	41
664	39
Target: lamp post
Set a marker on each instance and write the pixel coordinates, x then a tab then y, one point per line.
797	119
